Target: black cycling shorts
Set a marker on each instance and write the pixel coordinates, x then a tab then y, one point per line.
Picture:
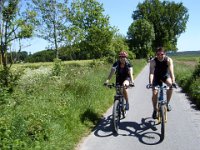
160	80
120	81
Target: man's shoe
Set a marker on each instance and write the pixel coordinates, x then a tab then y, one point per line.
154	115
169	108
127	106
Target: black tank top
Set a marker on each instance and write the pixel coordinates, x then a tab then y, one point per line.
161	68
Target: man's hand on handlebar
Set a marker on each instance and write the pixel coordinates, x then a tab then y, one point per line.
106	83
174	85
131	84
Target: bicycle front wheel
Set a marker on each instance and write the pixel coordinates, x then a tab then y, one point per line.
116	116
163	120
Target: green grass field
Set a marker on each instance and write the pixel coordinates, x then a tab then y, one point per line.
55	112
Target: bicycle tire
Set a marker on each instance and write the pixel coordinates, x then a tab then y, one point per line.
162	119
116	116
123	108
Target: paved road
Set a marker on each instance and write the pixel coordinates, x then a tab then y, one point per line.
138	130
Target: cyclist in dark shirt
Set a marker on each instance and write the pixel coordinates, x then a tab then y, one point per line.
161	71
124	74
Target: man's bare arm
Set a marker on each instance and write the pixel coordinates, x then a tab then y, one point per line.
151	71
171	70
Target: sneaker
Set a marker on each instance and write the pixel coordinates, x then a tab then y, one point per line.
127	106
169	108
154	115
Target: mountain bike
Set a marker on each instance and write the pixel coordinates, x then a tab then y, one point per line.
162	106
119	111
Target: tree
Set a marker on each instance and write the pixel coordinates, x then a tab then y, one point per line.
52	21
118	43
168	19
14	24
42	56
140	36
96	34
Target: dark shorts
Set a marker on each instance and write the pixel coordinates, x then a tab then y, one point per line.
160	80
120	81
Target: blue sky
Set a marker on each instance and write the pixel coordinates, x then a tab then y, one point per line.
120	12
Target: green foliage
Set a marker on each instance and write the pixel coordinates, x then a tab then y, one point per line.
8	79
196	73
118	44
41	56
188	76
52	21
15	25
44	109
87	17
168	19
140	37
57	68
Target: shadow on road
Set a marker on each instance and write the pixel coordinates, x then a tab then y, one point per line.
104	128
145	131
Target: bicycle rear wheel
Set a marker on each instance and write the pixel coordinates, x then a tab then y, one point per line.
116	116
163	120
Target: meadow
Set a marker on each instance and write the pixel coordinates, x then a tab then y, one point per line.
54	105
187	72
47	111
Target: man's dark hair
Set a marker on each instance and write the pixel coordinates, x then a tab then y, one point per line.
160	49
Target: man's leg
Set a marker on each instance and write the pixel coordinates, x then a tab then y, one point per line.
125	92
169	92
154	98
154	102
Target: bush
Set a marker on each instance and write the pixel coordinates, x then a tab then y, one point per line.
57	67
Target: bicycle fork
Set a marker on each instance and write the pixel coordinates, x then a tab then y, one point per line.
162	105
164	109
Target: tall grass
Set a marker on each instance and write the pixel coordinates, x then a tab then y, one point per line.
54	112
187	74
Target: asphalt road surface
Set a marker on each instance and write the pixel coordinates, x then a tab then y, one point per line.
138	131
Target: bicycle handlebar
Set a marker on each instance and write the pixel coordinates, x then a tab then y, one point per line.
116	85
149	86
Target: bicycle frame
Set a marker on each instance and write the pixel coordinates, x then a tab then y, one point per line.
162	108
118	107
162	102
162	105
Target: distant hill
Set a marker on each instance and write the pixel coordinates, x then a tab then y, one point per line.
193	53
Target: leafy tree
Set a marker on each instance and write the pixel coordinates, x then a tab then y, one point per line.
168	19
118	43
17	56
93	27
42	56
140	37
14	24
52	21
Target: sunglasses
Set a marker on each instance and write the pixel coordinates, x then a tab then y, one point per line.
160	54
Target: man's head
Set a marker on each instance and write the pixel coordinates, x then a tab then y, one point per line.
122	56
160	53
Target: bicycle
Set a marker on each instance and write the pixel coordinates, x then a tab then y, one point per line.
119	111
162	106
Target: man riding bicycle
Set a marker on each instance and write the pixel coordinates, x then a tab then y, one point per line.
124	74
161	71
